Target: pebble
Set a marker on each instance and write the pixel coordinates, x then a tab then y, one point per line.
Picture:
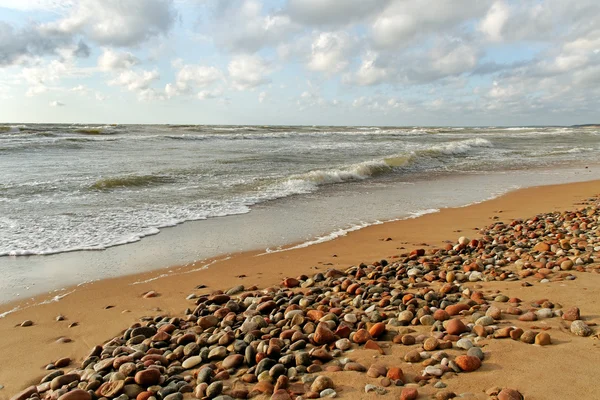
280	338
580	328
374	388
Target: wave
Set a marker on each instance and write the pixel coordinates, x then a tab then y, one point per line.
131	181
309	181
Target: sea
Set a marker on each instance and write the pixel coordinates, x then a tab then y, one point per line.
85	202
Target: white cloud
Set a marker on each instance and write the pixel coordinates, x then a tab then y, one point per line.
241	26
209	94
248	72
494	21
79	89
118	23
330	52
56	103
135	80
402	21
369	73
191	77
111	60
100	97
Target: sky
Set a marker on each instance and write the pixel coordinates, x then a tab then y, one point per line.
305	62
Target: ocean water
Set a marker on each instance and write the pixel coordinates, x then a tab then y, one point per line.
65	188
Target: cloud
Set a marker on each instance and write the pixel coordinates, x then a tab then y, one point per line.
242	27
401	21
135	80
79	89
332	12
191	77
116	22
56	103
30	41
494	21
114	60
330	52
248	72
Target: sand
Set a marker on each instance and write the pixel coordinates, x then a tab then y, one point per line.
562	370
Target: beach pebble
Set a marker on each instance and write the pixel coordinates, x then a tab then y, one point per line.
409	394
26	323
580	328
376	389
509	394
542	339
321	383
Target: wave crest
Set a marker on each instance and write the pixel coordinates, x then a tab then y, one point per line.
132	181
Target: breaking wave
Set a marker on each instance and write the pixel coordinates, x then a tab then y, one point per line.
132	181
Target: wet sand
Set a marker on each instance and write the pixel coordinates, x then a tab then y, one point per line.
562	370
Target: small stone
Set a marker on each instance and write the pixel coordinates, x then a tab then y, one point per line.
328	393
409	394
343	344
468	363
76	394
476	352
509	394
431	344
26	323
572	314
528	337
374	388
321	383
214	389
412	356
455	327
542	339
580	328
464	343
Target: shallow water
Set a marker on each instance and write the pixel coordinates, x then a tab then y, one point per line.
64	190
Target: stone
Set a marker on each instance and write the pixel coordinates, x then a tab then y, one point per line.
455	327
376	370
409	394
26	323
233	361
468	363
60	381
528	337
376	389
25	393
476	352
214	389
395	373
148	377
580	328
412	356
571	314
431	344
542	339
191	362
464	344
323	335
76	394
328	393
377	329
509	394
343	344
218	353
528	317
110	389
445	395
321	383
361	336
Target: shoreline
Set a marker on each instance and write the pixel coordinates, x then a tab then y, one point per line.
298	220
35	346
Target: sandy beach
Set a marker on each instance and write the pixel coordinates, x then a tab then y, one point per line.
102	310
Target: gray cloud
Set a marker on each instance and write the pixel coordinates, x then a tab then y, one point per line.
333	12
29	41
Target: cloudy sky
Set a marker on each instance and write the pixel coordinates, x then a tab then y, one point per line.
348	62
